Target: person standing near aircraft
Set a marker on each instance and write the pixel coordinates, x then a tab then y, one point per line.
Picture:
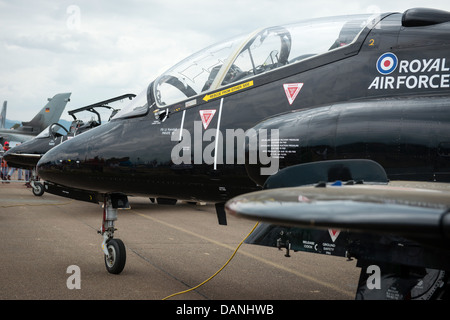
4	165
1	160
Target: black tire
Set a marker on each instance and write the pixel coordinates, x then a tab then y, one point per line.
38	189
118	256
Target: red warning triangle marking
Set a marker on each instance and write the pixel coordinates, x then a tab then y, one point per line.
206	116
292	90
334	233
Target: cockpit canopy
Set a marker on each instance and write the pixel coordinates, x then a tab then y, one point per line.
52	130
247	56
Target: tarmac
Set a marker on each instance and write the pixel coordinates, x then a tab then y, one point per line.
169	249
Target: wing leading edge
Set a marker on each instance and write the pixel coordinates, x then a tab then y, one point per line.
421	214
401	228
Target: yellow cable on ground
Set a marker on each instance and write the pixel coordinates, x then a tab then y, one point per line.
217	272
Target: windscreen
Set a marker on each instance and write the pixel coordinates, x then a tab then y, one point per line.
137	107
248	56
44	133
276	47
195	74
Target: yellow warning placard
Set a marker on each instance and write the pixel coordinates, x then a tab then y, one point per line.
228	91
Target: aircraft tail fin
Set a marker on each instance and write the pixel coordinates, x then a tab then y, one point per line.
3	116
49	114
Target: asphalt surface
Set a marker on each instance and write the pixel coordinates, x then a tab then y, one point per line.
169	249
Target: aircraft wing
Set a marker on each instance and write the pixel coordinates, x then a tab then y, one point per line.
416	211
14	135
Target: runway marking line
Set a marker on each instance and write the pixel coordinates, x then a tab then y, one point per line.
36	204
270	263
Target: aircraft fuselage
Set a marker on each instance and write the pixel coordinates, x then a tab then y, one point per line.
385	97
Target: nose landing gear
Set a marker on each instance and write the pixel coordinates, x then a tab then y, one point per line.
114	249
116	257
37	187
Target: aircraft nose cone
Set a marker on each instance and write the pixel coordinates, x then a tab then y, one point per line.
95	160
78	162
17	158
6	154
15	150
55	165
49	167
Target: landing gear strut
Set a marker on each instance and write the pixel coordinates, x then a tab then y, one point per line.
114	249
37	187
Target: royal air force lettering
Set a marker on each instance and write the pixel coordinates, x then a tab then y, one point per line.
411	74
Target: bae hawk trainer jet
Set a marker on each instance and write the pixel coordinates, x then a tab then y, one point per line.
360	101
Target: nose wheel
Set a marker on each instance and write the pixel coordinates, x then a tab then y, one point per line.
37	187
113	249
116	258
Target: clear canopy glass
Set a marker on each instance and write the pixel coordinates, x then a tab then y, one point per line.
248	56
51	131
137	106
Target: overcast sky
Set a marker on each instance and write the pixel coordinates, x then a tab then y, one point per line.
99	49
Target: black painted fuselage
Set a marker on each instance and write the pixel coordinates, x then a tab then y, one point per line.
385	97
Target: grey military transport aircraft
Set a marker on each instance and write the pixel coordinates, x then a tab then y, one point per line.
340	125
3	115
49	114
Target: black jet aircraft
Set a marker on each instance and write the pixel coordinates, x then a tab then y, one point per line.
356	99
27	155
